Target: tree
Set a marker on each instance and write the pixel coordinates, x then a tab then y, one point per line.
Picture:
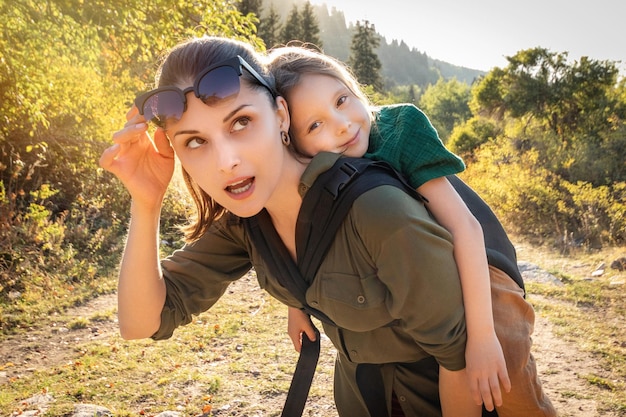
363	59
567	113
270	28
446	103
246	7
310	28
58	108
292	30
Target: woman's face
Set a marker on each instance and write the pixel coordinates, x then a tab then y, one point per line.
233	149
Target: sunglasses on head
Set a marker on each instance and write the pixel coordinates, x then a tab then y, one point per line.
216	83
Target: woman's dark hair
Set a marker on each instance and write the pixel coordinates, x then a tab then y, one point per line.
181	66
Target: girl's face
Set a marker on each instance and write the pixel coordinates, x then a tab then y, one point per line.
233	149
327	116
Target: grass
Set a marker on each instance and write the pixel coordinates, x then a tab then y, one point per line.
238	347
237	356
588	311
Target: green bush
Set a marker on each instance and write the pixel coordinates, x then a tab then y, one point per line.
535	202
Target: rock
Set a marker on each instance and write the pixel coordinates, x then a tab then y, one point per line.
532	273
39	400
619	264
38	404
91	410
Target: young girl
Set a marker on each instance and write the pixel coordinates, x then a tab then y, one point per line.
389	281
329	112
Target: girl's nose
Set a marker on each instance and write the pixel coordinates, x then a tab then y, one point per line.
343	123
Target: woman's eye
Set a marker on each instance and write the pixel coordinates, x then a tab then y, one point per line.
341	100
195	142
241	123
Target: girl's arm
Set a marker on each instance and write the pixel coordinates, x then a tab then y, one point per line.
145	168
299	322
486	367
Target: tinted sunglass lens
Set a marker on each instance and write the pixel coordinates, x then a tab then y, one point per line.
162	107
218	84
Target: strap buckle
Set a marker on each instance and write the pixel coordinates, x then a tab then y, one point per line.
344	174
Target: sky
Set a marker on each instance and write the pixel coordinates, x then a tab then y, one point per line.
479	34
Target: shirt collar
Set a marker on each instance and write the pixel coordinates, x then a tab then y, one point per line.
320	163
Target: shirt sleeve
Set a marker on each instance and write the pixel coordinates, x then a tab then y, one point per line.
404	136
414	260
197	275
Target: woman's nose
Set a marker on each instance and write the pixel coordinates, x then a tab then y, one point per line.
227	157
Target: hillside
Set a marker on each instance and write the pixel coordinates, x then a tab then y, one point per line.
401	65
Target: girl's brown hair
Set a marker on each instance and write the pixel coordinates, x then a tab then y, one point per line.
289	63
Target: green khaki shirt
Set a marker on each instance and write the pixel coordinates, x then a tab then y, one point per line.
390	262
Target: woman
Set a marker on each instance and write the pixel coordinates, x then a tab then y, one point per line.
389	281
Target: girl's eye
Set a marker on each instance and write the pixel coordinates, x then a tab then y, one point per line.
241	123
194	142
341	100
314	126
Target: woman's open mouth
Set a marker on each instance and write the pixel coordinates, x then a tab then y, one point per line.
240	187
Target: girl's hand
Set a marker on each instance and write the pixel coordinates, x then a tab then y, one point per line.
299	322
486	371
145	168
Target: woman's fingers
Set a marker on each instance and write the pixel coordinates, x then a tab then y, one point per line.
108	156
162	143
132	113
131	132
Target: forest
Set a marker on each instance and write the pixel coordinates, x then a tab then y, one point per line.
543	138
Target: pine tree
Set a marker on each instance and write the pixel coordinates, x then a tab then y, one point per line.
363	59
270	28
250	6
293	27
310	27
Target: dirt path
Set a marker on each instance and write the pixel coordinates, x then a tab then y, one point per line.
559	361
559	364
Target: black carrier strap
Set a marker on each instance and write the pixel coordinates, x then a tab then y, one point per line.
500	250
328	201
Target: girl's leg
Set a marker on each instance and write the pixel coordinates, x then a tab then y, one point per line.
456	400
514	321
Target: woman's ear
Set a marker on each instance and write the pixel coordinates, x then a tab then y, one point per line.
282	110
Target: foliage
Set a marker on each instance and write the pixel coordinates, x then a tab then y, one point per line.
446	103
68	70
465	139
363	60
270	28
301	26
246	7
573	110
549	131
310	26
292	29
402	65
533	201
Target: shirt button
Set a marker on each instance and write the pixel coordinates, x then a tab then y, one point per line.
402	398
360	299
354	354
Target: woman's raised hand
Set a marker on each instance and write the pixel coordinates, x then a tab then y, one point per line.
145	167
